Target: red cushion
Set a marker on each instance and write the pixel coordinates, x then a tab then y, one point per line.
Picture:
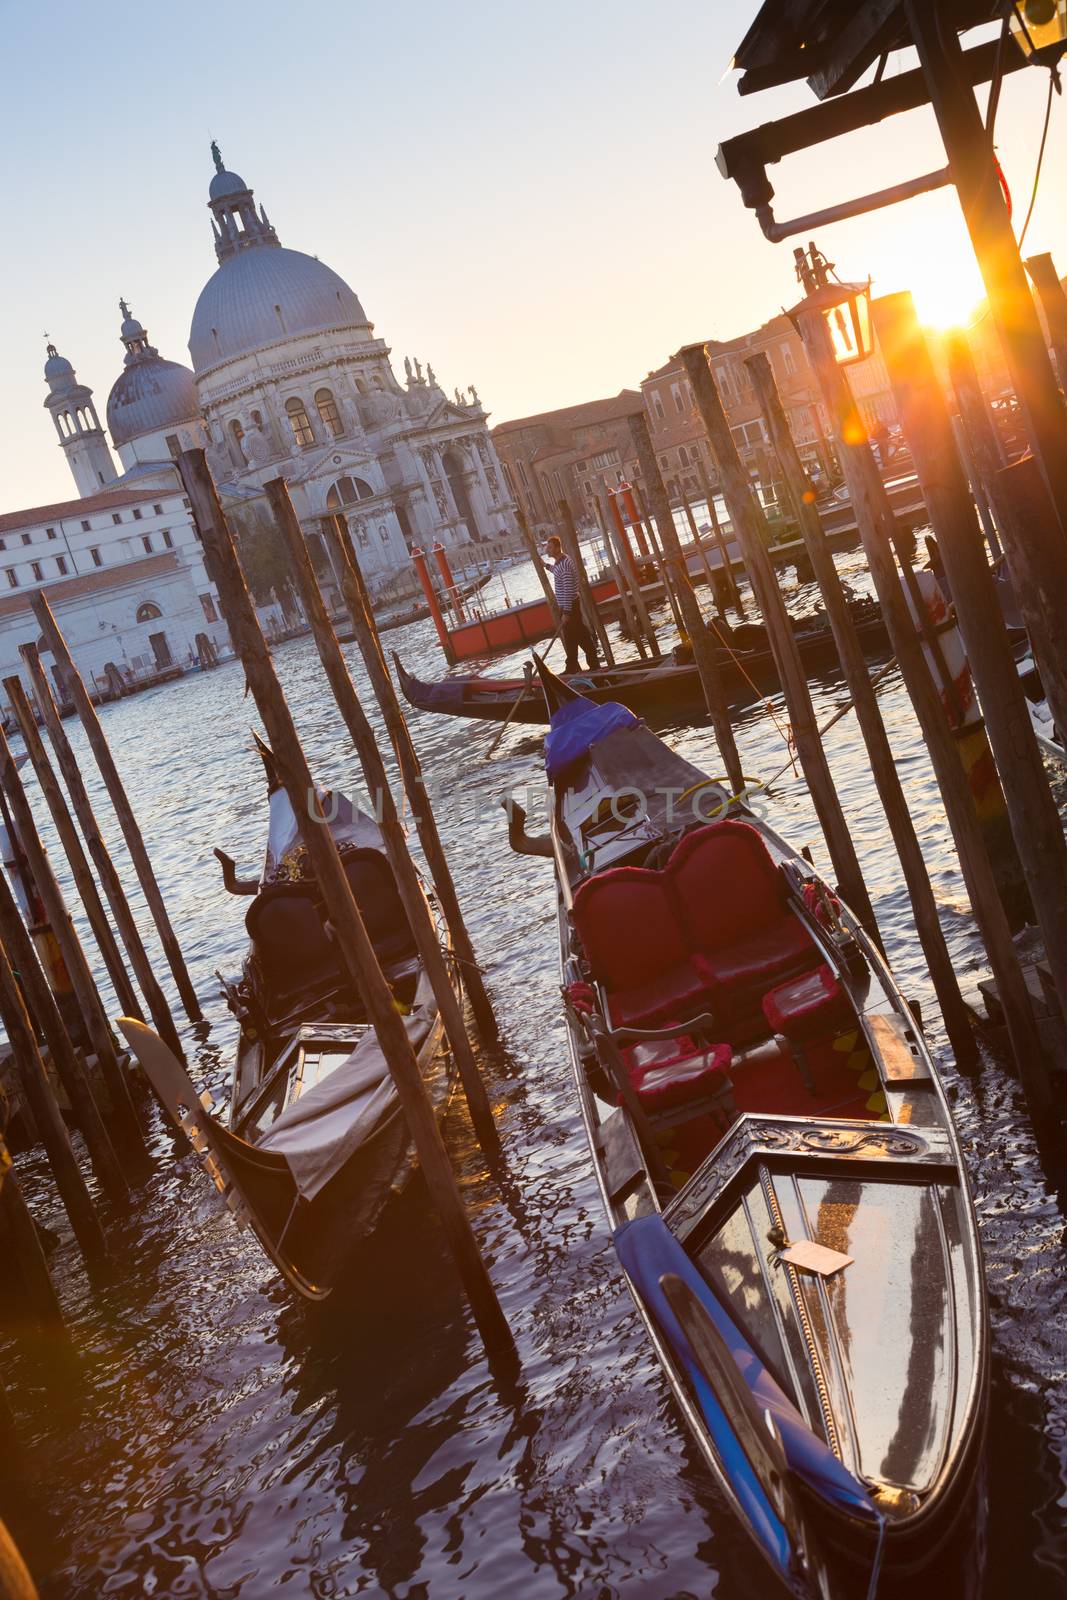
664	999
806	1006
725	884
761	958
628	928
684	1078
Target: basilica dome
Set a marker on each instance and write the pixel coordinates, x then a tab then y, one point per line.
260	296
150	395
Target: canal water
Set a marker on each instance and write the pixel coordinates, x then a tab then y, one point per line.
208	1435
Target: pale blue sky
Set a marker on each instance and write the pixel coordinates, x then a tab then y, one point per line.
523	193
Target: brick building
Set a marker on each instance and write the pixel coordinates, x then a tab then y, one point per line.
568	455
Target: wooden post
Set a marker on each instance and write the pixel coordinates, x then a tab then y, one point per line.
703	649
67	762
1035	820
713	591
538	565
883	763
973	167
333	885
26	1249
720	541
626	562
407	879
49	1119
72	847
123	1116
653	550
1036	557
1050	291
749	525
620	572
877	529
41	1004
589	606
123	810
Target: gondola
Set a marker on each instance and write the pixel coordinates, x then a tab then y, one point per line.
668	687
775	1153
315	1143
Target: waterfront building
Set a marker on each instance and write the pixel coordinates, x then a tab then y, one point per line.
568	455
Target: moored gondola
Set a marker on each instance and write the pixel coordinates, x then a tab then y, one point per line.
779	1167
315	1143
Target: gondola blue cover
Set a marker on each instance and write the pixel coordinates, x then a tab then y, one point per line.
647	1250
576	727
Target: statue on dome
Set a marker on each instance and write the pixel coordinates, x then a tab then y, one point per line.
407	367
216	155
418	370
430	377
474	396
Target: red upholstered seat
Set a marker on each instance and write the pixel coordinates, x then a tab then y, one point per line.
636	946
691	1075
762	957
808	1006
666	998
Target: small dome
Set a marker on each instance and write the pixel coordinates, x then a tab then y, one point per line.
131	329
57	366
150	395
261	296
224	183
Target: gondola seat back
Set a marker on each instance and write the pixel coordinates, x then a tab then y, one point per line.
714	925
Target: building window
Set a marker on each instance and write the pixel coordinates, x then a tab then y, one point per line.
158	510
167	540
136	513
27	538
174	445
789	365
658	405
676	394
326	406
298	421
12	578
146	540
207	601
85	527
61	563
98	560
383	532
346	491
683	456
50	533
664	463
116	517
35	567
148	612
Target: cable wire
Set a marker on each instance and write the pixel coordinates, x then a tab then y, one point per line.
1040	157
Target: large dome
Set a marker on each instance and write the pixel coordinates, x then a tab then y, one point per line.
261	296
149	396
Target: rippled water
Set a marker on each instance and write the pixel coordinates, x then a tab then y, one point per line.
209	1436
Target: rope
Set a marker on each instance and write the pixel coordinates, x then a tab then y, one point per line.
786	733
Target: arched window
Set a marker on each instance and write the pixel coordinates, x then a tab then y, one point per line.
326	406
346	491
148	612
298	421
683	456
457	472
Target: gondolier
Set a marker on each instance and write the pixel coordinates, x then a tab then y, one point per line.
574	629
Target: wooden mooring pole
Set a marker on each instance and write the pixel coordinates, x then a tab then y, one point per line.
750	527
1035	819
868	715
877	529
67	761
396	847
729	576
1046	280
703	649
538	565
570	544
26	1252
131	832
250	645
122	1113
370	647
628	565
621	574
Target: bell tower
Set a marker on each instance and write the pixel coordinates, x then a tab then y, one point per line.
81	437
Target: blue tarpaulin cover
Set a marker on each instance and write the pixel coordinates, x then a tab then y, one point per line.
576	727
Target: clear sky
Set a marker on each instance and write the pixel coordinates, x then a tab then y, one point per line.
523	193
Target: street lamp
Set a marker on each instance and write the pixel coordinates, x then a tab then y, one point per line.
845	307
1036	23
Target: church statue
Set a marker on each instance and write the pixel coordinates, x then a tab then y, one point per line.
407	367
418	369
256	446
474	396
216	155
430	378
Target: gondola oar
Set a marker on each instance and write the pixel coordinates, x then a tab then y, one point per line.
523	692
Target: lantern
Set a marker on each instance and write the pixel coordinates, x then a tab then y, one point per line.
1036	23
846	310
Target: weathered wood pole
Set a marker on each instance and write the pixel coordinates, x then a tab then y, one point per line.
974	172
129	933
370	647
1036	556
84	881
73	1192
1035	819
377	780
868	715
877	529
703	649
42	1007
1046	281
123	810
123	1116
341	907
749	525
538	565
717	534
570	544
26	1249
709	578
652	547
629	566
621	573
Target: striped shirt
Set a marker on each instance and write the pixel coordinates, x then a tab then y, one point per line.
565	583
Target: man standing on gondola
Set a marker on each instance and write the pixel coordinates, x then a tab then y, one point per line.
574	629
